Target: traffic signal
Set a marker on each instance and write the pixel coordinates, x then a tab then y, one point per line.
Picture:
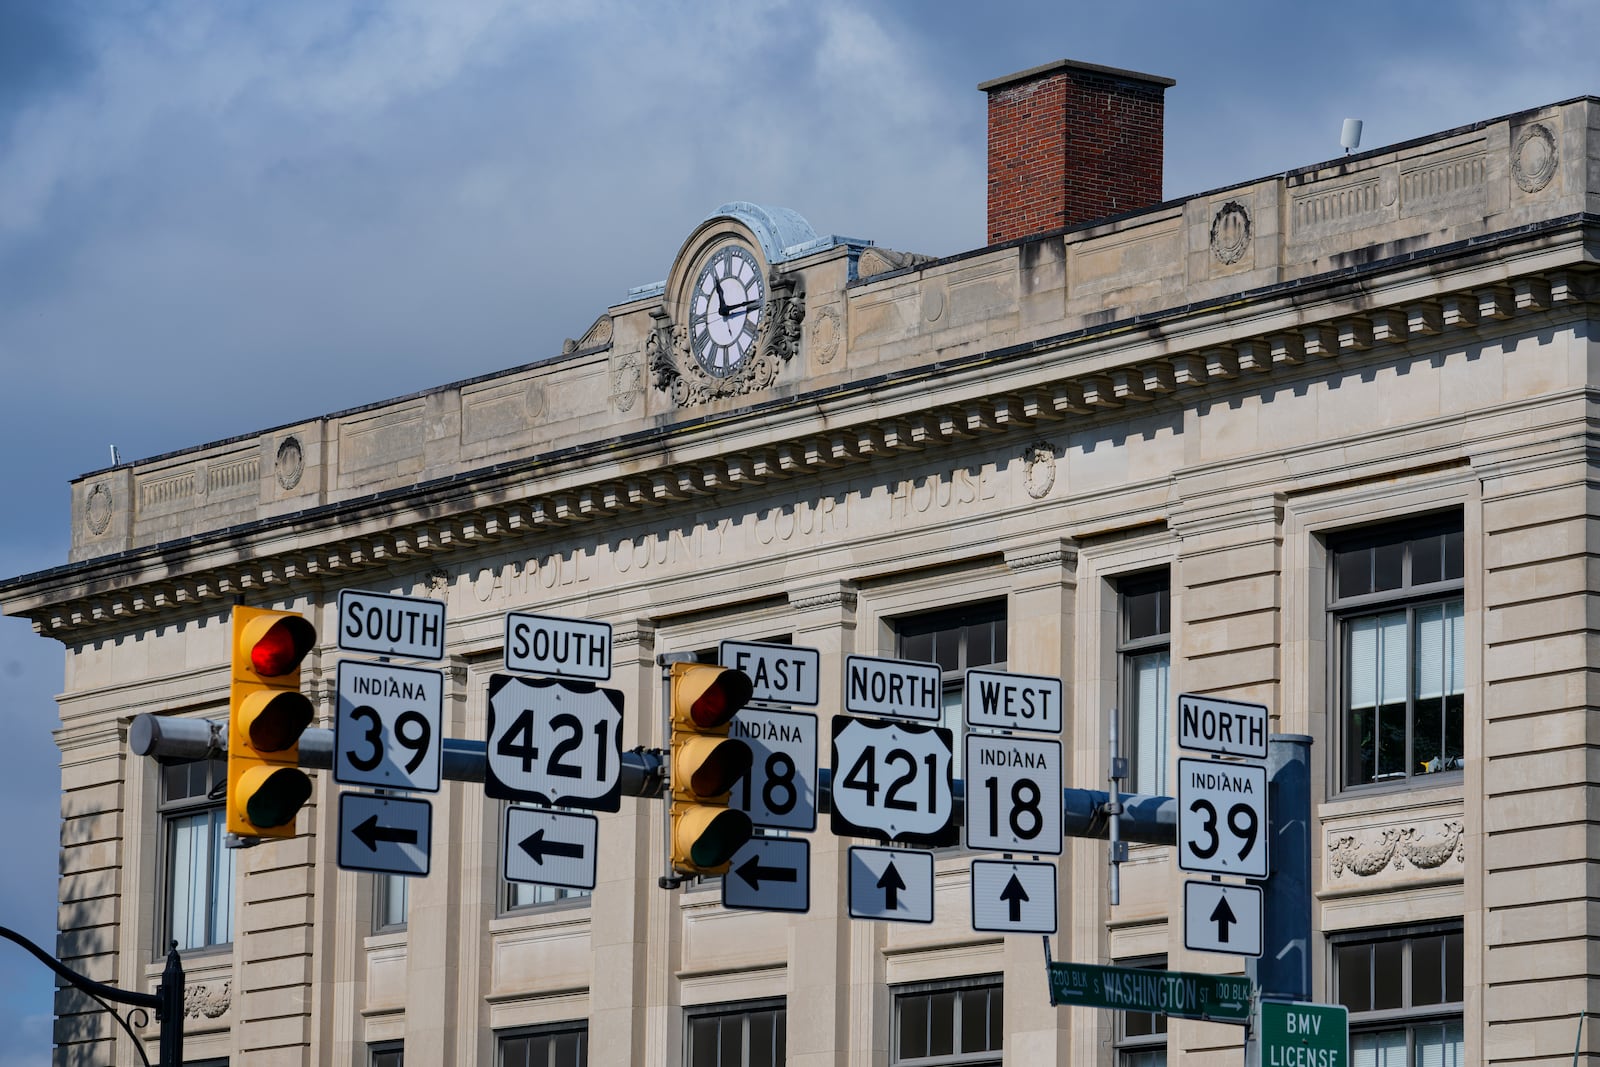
267	714
706	763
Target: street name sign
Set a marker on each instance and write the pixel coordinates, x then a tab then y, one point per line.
383	624
780	792
1013	801
1001	700
554	742
387	728
564	648
894	884
550	847
1013	897
1225	727
1218	917
386	835
1304	1035
770	874
893	688
893	781
779	674
1216	997
1222	817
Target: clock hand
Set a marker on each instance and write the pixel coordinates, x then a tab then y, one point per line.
722	301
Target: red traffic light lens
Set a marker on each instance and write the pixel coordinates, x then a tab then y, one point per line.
722	699
282	647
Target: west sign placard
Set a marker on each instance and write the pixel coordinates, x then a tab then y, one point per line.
387	726
1222	817
1001	700
554	742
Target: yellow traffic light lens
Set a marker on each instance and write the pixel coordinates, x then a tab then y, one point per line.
717	773
280	720
282	647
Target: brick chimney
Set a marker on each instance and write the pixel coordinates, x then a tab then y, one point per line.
1069	143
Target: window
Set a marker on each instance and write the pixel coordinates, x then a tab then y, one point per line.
956	639
388	1054
948	1023
198	870
391	902
1142	1035
1397	606
1404	996
750	1036
548	1046
1144	654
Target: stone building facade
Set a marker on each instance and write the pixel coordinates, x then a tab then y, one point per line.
1320	441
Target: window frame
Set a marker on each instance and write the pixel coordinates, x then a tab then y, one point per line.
1408	1016
951	681
1410	598
211	801
385	1049
1128	651
579	1027
987	983
742	1009
1127	1048
383	886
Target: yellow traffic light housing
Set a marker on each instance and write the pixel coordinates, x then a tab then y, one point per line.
706	764
267	714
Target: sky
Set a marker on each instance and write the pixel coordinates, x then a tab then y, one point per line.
220	217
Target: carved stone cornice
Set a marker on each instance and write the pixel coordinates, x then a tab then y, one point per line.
1024	394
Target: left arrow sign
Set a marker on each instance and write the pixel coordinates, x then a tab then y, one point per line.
384	834
538	848
547	847
369	833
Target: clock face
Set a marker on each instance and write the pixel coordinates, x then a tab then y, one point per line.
725	310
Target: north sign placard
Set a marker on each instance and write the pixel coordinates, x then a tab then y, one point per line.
387	726
893	781
383	624
1013	897
1013	801
779	674
1218	917
893	688
550	847
1224	727
562	648
1222	817
770	874
554	742
386	835
780	792
894	884
1002	700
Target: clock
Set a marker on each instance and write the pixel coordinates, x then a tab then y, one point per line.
725	310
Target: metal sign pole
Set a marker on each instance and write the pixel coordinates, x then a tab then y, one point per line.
1283	972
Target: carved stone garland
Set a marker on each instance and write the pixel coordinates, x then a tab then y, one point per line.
674	368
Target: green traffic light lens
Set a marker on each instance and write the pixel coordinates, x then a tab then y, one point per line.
725	835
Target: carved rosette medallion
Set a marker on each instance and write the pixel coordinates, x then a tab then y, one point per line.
1039	477
1534	158
825	334
291	462
97	509
627	378
1395	852
1230	233
674	369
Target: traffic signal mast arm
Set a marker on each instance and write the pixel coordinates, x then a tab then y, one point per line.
1151	820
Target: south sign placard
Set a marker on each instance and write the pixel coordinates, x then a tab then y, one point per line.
554	742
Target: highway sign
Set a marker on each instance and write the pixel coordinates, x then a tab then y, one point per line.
554	742
1217	997
1013	794
770	874
780	792
893	688
1222	817
1218	917
1000	700
892	781
780	674
1226	727
389	835
388	625
891	883
387	728
565	648
1304	1035
549	847
1012	897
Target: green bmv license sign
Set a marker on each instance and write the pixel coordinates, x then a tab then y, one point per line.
1304	1035
1219	998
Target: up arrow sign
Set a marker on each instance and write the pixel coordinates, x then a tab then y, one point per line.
1222	917
1014	895
891	883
